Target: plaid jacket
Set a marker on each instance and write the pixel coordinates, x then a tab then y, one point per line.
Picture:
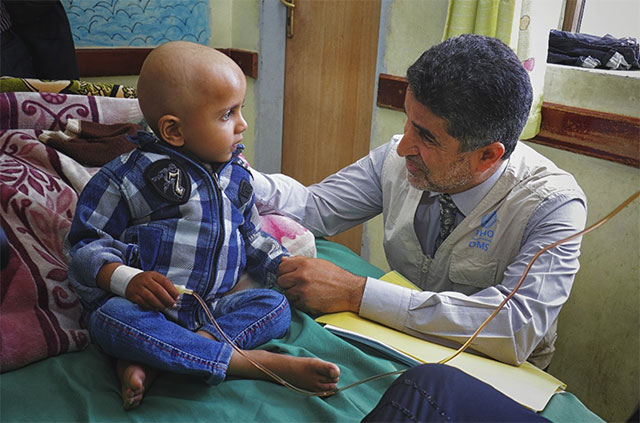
159	209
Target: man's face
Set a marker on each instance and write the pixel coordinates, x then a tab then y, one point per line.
433	159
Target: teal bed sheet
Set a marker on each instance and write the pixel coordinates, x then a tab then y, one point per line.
82	386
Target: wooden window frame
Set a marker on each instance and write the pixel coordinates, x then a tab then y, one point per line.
128	61
573	15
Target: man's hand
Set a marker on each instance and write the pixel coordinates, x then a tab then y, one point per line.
319	286
151	290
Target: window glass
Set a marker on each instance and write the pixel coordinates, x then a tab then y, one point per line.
619	18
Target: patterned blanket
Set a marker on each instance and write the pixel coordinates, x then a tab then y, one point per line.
10	84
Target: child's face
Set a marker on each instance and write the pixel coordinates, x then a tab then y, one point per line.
213	124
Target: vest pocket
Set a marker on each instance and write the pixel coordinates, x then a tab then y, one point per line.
472	272
148	241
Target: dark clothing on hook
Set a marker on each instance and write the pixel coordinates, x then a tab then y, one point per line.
590	51
36	41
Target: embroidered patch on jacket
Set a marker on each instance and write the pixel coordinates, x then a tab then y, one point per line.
169	180
483	237
245	191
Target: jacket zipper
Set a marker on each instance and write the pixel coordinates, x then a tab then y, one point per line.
213	177
215	183
218	246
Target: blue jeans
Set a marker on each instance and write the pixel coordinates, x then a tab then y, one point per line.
249	318
441	393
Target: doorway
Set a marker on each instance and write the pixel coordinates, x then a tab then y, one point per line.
330	71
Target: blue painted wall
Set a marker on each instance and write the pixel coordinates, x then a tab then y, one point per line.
137	23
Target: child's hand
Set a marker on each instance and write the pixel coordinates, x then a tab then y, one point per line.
152	290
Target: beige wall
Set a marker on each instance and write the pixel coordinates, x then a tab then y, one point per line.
234	24
598	348
599	345
615	92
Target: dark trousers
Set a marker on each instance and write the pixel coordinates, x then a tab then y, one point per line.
441	393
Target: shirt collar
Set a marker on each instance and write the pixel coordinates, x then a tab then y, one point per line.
467	200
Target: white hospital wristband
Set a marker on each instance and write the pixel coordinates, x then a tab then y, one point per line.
120	279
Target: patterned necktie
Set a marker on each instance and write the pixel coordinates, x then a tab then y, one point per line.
448	211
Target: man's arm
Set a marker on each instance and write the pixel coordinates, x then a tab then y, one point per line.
515	332
341	201
511	336
319	286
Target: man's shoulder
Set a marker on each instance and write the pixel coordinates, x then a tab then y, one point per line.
531	158
386	154
392	144
540	174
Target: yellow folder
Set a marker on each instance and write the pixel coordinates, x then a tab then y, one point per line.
526	384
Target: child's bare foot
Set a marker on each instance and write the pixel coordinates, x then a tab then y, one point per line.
307	373
135	379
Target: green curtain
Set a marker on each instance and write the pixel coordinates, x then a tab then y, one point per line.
523	25
493	18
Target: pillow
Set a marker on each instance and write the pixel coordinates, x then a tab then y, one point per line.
40	312
297	239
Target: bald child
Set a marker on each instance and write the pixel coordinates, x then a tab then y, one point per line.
179	209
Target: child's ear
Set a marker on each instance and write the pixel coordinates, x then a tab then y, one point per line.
170	130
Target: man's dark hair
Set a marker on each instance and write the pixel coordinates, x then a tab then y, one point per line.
478	85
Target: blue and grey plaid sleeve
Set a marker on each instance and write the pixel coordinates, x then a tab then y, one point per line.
101	216
264	253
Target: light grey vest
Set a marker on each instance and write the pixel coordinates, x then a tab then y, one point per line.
475	255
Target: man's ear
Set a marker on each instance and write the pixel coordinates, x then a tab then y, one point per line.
170	128
488	155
